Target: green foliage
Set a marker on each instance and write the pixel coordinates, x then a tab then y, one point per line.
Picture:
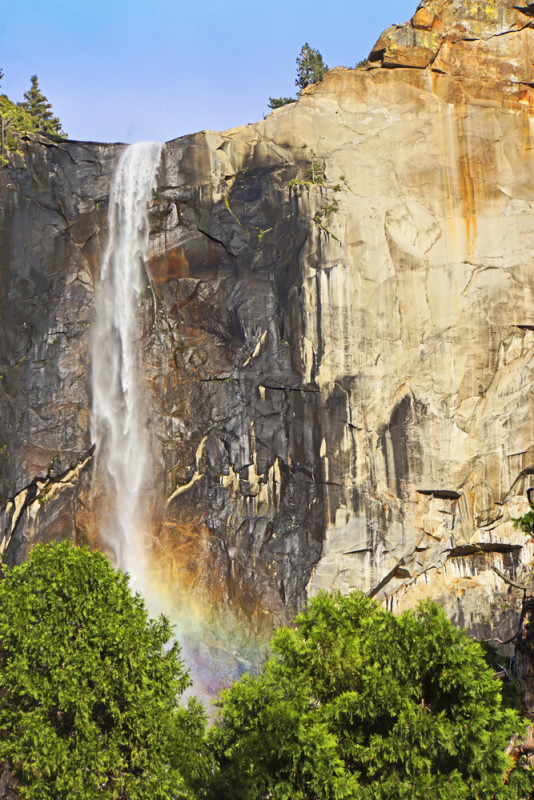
278	102
295	185
526	522
323	217
315	170
355	702
88	683
314	176
32	116
14	120
310	67
227	207
497	661
38	107
189	754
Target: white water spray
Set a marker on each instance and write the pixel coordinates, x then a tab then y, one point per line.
119	426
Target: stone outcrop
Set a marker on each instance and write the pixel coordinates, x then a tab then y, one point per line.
339	331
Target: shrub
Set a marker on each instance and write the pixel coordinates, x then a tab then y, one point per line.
355	702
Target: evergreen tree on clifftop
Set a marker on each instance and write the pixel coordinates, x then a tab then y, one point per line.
37	105
310	67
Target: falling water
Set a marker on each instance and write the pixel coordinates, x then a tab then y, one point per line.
119	430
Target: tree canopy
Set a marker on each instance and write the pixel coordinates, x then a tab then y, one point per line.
355	702
88	683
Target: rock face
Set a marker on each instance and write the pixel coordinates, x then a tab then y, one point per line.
52	208
339	330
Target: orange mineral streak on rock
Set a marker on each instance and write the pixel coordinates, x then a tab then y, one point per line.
169	265
179	557
469	172
474	57
194	259
492	62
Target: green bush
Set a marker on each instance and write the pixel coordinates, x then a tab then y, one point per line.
355	702
278	102
526	522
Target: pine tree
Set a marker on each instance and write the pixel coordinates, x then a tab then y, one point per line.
310	67
37	105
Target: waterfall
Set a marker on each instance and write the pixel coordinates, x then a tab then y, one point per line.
124	461
119	422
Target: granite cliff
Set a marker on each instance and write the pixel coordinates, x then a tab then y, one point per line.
338	335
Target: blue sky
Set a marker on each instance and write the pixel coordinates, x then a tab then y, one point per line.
126	70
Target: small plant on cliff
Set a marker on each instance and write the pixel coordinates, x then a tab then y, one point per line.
278	102
88	683
355	702
323	217
526	522
315	169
